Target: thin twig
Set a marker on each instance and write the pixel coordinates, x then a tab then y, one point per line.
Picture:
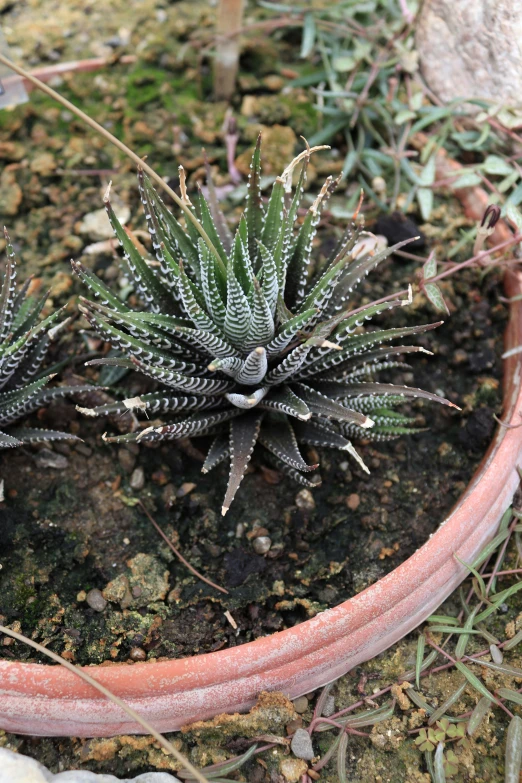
178	553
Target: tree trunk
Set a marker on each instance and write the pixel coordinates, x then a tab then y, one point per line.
472	49
230	15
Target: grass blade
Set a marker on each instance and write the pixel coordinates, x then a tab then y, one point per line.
463	640
478	715
341	758
439	712
514	641
420	654
438	764
507	693
473	680
513	751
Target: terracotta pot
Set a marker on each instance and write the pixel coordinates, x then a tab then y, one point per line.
50	701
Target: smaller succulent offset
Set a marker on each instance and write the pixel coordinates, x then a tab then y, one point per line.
23	346
248	340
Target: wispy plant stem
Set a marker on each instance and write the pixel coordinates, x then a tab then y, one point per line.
178	553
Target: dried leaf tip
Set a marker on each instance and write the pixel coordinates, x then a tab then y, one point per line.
135	403
88	412
183	187
409	298
107	194
146	431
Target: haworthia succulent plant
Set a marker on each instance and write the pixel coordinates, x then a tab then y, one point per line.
24	341
246	341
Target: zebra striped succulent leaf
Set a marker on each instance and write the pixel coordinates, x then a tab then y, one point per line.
246	341
24	341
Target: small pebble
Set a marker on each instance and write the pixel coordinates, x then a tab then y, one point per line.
292	770
301	745
126	460
49	459
96	600
301	704
305	500
353	501
295	724
137	480
185	489
261	545
138	654
329	706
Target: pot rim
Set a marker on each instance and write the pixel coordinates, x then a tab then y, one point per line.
46	700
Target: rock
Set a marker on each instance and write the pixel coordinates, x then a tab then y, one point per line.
301	705
397	227
126	459
147	582
274	82
49	459
118	592
138	654
43	164
185	489
261	544
16	768
353	501
96	600
137	480
10	192
96	225
305	500
471	49
279	142
329	706
293	769
301	745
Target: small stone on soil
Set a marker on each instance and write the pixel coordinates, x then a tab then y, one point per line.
305	500
137	480
293	769
49	459
137	654
353	501
126	460
261	545
96	600
397	227
329	706
301	745
185	489
301	704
